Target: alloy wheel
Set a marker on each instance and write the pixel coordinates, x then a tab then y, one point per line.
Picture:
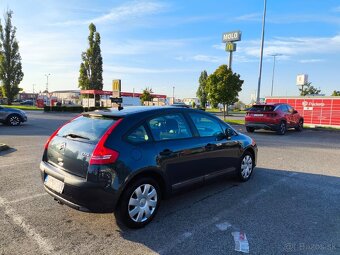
14	120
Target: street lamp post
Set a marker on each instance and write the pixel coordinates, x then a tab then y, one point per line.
47	81
261	53
274	56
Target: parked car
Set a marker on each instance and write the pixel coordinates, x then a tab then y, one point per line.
180	105
12	117
127	161
275	117
27	102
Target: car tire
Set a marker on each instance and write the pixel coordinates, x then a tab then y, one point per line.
282	128
300	126
140	198
250	129
246	167
13	120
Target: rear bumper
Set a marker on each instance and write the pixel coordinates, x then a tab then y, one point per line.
267	126
79	193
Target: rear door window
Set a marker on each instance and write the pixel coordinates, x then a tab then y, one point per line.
86	128
282	108
205	125
171	126
138	135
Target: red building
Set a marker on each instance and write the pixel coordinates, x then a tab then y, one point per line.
316	110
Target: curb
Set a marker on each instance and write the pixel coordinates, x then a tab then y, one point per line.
3	147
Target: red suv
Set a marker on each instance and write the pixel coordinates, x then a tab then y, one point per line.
276	117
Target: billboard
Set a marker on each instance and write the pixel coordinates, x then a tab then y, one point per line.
301	79
231	36
318	111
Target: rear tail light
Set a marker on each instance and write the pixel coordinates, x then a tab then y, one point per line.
101	154
51	137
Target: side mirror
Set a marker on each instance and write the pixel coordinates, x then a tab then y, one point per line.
228	133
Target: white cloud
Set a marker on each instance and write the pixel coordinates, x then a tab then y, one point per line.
293	46
137	47
206	58
140	70
129	11
313	60
250	17
290	18
336	9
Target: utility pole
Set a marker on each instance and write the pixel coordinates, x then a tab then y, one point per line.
47	81
261	53
274	56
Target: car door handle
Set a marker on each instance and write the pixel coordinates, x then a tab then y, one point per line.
165	152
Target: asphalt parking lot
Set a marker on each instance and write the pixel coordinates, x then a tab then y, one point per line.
290	206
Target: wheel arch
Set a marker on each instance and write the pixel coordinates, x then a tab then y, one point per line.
151	173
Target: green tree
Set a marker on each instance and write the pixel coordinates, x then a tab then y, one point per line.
146	95
336	93
223	87
201	91
91	68
308	89
10	60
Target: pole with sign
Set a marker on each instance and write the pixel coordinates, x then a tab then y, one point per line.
116	99
229	38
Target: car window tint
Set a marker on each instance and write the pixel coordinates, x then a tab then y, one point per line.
91	128
284	108
138	135
262	108
290	109
205	125
172	126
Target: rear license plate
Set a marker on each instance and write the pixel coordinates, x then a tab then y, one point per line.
258	115
54	184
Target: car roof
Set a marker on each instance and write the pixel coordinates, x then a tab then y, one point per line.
131	110
272	104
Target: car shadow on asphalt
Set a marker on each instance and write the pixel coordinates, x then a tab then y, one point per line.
196	211
8	151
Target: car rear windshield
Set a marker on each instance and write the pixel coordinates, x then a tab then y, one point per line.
87	128
262	108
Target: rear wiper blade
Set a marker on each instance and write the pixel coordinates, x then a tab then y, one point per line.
76	136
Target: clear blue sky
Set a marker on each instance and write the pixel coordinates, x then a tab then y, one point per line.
162	44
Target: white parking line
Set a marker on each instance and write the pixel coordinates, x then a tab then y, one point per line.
223	226
18	163
26	198
44	245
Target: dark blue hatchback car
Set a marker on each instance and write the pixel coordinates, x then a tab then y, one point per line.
126	161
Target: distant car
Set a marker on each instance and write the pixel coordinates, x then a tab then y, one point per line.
180	105
276	117
128	160
27	102
12	117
